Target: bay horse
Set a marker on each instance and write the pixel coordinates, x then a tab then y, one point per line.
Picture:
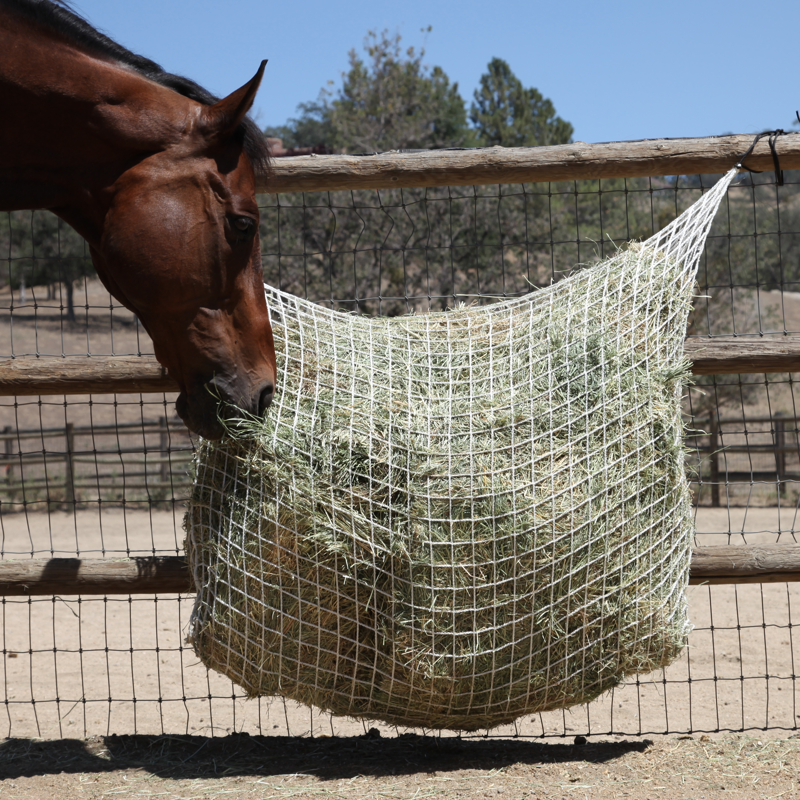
159	178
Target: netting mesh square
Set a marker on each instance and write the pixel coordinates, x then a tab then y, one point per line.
451	520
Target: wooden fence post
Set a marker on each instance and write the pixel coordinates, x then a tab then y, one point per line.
713	447
70	482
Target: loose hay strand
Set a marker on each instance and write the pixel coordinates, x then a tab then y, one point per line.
452	520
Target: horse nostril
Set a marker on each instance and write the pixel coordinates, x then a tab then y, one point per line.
265	398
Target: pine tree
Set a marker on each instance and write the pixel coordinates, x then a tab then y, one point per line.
389	101
505	113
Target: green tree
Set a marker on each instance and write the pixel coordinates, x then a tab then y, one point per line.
312	127
389	100
44	251
505	113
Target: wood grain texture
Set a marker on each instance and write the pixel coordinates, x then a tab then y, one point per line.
492	165
742	356
83	375
734	560
170	574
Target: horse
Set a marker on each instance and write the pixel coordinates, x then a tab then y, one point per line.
159	178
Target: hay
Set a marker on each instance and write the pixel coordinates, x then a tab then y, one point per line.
456	519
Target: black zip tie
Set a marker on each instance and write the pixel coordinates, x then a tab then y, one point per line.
773	138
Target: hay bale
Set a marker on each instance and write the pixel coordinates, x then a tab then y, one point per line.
456	519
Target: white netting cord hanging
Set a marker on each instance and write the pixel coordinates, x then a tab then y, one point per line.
455	519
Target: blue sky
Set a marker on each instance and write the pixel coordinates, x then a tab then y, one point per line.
616	70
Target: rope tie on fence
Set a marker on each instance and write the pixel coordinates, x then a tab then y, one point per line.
772	141
451	520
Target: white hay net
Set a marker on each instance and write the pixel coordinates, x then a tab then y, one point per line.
455	519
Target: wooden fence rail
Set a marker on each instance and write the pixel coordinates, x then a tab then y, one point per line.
492	165
29	376
170	574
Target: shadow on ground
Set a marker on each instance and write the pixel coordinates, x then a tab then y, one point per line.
333	758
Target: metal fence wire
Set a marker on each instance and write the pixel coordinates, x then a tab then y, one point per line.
107	475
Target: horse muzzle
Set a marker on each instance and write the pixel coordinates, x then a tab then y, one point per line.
209	410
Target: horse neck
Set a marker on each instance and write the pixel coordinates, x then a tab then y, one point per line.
77	122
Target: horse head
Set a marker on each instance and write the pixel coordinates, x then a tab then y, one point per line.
180	248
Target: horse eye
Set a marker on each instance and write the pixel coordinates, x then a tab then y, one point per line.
243	224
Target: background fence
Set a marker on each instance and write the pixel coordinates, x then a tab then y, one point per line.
106	475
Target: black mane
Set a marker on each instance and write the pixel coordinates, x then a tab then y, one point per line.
61	19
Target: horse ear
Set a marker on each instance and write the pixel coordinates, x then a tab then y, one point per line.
218	122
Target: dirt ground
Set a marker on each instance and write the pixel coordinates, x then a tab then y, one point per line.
410	767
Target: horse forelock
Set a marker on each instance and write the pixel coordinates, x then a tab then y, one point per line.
59	17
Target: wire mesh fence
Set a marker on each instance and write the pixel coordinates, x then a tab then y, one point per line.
108	475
